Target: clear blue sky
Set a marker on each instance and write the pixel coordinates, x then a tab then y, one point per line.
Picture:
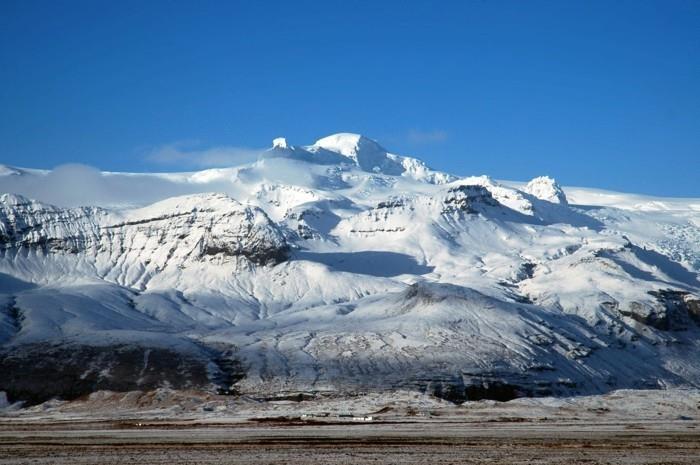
596	93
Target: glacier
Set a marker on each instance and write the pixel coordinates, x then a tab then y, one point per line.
338	268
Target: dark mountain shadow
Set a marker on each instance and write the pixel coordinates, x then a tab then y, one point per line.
673	270
587	207
322	221
381	264
545	214
9	284
628	268
319	157
319	215
553	213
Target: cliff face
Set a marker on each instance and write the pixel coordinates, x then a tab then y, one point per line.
132	246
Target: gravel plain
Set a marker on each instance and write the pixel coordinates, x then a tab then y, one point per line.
174	427
385	443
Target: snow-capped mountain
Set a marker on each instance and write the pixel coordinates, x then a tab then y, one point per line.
339	267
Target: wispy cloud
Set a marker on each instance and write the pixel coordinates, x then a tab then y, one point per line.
416	136
73	184
191	154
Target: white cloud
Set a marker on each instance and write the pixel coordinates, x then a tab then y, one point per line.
79	185
73	185
188	154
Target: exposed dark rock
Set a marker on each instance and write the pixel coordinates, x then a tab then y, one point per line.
651	315
290	396
257	255
458	391
521	299
230	371
680	307
38	372
692	305
393	203
528	270
305	232
16	318
267	256
228	229
674	310
464	198
494	390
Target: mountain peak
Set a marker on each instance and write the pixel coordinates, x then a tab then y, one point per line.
279	143
349	144
546	188
363	151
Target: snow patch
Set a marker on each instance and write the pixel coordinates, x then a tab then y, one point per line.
546	188
279	143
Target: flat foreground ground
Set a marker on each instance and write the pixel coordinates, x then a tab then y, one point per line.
284	442
398	427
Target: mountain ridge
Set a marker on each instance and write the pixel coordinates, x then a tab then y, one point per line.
340	267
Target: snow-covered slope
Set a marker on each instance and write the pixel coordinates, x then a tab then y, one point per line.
341	267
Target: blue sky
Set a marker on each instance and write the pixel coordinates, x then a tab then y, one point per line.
596	93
